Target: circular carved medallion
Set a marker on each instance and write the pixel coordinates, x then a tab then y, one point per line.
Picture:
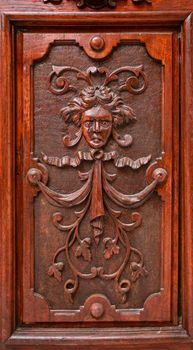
97	43
97	310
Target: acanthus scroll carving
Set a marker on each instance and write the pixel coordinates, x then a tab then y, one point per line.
136	82
98	112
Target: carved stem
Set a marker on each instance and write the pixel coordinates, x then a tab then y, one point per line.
73	228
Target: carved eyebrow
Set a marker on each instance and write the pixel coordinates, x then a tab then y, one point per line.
98	119
89	119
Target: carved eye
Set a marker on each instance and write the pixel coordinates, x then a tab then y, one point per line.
105	123
88	124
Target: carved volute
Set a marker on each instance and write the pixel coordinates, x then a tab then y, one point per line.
93	105
96	205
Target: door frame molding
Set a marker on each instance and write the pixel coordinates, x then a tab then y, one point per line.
119	338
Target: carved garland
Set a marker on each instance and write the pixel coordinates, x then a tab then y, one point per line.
98	112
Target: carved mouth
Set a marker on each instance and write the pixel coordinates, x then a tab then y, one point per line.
96	140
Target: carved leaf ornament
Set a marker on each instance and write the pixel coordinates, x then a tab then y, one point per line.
98	112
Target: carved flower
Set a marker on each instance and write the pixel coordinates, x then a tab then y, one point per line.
137	270
110	248
55	270
84	249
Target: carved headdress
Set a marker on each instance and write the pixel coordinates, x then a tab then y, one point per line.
97	192
94	95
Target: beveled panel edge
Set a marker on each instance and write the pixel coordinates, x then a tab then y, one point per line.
6	69
89	336
49	18
142	313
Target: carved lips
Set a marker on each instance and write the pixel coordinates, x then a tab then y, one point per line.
98	112
96	126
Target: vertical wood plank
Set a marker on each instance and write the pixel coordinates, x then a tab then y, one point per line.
7	180
187	185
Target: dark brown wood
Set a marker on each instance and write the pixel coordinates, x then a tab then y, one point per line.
58	89
34	91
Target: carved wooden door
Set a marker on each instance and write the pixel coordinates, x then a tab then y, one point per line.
96	185
99	177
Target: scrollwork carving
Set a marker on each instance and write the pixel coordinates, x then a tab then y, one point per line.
59	84
111	245
97	112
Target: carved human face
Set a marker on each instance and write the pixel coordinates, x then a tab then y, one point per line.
96	126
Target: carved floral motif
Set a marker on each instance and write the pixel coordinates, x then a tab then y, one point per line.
98	112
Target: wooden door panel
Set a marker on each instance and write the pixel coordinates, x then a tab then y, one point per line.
98	176
89	224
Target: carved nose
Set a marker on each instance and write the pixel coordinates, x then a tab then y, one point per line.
96	126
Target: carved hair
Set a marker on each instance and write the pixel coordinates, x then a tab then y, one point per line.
94	96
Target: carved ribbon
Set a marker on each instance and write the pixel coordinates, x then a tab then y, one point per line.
127	201
59	199
97	192
119	162
91	193
79	196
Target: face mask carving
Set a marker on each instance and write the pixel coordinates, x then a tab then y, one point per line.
98	112
96	126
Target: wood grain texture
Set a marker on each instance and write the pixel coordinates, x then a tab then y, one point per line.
122	5
7	160
164	55
36	13
187	139
131	338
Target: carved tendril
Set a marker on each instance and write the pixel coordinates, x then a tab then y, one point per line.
39	179
59	84
122	287
94	95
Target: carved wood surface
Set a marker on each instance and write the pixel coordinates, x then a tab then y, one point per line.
174	9
33	337
96	4
83	253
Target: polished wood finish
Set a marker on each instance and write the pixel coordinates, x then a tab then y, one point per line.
27	36
31	51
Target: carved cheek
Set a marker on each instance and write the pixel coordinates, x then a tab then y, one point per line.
87	133
107	132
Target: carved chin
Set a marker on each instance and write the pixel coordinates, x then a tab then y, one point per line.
96	143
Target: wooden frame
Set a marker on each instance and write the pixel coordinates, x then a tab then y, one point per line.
168	294
176	337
